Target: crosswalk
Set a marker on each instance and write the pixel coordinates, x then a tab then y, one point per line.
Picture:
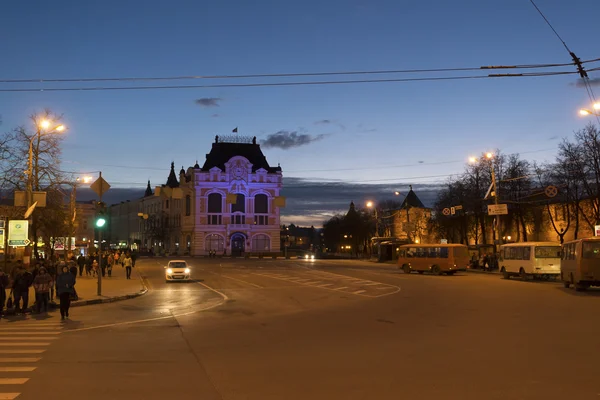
22	346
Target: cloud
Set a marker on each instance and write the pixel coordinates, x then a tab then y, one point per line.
553	138
287	140
215	115
593	82
209	101
323	122
331	122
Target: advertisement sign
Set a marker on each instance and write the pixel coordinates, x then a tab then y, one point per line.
18	232
597	230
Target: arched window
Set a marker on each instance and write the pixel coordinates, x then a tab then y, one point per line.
188	205
261	204
240	204
214	242
215	207
261	243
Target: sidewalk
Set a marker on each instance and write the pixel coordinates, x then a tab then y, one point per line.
115	288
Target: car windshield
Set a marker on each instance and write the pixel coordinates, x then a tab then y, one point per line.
591	249
547	252
177	265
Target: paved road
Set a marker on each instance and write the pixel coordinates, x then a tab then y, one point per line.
277	329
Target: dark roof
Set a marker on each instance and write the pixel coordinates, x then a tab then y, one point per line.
223	152
172	181
148	192
411	200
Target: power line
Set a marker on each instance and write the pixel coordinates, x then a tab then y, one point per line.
288	75
275	84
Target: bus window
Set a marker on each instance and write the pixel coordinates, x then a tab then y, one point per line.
526	253
402	253
443	252
547	252
591	250
434	252
411	252
421	252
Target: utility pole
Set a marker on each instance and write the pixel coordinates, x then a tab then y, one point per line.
496	201
100	240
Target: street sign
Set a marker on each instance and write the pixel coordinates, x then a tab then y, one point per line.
446	211
551	191
497	209
597	230
18	232
452	210
458	208
100	186
2	237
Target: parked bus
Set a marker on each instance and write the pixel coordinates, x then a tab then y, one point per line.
580	263
536	259
434	258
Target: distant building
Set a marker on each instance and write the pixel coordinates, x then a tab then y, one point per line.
411	221
229	205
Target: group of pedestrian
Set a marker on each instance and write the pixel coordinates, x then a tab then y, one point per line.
105	262
45	283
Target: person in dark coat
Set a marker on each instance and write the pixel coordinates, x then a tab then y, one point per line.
4	281
65	287
81	264
21	284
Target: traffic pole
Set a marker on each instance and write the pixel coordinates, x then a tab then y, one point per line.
100	243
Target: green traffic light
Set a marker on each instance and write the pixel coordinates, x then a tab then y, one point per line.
100	222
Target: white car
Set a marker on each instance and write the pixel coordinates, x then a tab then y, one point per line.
177	270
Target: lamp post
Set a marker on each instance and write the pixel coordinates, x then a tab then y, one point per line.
497	222
370	204
585	112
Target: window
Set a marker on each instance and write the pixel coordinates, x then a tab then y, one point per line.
591	250
188	205
215	242
215	203
547	252
215	220
402	253
526	253
443	252
411	252
238	219
261	220
261	204
240	204
434	252
421	252
261	243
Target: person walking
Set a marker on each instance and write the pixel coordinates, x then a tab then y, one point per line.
4	281
65	287
81	264
21	284
111	262
42	284
128	264
51	270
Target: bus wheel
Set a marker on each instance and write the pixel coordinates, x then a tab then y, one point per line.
436	270
406	268
522	274
505	274
580	287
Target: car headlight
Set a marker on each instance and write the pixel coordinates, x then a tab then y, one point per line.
187	270
306	256
169	271
312	257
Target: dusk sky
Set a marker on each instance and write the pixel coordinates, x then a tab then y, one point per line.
379	133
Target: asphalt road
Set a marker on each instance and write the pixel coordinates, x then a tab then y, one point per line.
295	329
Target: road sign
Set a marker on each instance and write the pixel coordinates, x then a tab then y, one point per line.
18	232
446	211
497	209
452	210
458	208
443	241
551	191
100	186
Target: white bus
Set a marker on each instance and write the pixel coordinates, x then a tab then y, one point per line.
537	259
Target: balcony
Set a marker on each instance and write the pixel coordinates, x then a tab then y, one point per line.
239	226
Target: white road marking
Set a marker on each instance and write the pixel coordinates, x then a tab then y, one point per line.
17	369
340	288
33	328
19	359
24	344
13	381
2	351
312	283
375	284
9	396
236	279
29	338
326	284
359	292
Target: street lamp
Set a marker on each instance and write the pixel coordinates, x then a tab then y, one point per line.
585	112
490	157
370	204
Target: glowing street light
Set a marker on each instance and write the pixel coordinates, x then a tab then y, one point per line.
369	204
585	112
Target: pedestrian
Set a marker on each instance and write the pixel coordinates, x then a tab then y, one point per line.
127	263
4	281
81	263
111	261
42	284
104	259
65	287
20	287
94	268
133	258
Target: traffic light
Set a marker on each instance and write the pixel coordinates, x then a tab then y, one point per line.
100	215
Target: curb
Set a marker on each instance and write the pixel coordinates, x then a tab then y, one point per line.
81	303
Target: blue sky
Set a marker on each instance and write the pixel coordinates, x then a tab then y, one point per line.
380	126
